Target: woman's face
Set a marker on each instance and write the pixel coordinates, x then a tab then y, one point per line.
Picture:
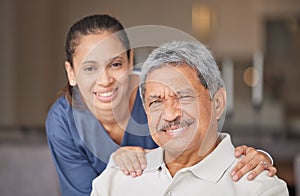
101	71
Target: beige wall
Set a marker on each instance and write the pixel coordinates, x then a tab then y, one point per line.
7	63
33	33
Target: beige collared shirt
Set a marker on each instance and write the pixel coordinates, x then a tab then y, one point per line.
211	176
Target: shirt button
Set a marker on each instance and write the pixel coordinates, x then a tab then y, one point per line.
170	193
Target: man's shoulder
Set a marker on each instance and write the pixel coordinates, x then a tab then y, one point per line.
112	181
109	173
113	171
266	184
263	185
154	160
103	183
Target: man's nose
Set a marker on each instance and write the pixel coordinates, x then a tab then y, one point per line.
172	110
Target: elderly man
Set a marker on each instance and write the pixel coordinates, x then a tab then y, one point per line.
184	98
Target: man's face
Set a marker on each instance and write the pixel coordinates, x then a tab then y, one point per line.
180	113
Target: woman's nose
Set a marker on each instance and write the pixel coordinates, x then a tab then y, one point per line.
104	78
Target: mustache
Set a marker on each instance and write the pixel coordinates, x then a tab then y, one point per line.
176	123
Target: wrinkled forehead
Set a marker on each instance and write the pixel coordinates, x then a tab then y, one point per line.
174	78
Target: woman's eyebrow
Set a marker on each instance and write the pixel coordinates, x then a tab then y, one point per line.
110	60
116	57
106	62
89	62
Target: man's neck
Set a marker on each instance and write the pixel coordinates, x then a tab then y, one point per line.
186	159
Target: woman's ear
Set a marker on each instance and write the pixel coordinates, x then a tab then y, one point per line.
131	59
70	73
220	102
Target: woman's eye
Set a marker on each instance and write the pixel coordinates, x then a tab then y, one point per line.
90	68
117	64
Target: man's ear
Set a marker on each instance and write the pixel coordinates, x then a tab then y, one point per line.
70	73
220	102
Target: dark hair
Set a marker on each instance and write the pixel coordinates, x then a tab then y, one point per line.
91	25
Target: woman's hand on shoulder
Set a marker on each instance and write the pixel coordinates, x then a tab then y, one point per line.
254	162
131	160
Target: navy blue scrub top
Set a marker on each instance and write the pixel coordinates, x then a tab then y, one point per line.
81	147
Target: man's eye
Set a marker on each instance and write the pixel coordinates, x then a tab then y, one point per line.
186	98
154	103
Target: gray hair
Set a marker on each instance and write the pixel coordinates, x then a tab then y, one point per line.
194	54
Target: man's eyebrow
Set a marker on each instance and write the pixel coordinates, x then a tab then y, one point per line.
154	96
151	97
185	91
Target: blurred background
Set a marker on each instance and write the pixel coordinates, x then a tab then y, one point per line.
256	43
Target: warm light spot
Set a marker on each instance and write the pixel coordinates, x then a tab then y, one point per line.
251	77
201	20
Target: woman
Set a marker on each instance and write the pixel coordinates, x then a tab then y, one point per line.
100	111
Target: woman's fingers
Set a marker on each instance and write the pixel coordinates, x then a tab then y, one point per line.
254	162
131	160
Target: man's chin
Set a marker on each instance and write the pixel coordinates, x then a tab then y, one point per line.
175	149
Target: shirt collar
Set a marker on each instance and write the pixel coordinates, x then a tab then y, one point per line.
210	169
155	159
217	162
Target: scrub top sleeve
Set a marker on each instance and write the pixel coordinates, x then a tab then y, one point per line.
74	171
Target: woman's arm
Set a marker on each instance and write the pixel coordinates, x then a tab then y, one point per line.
74	170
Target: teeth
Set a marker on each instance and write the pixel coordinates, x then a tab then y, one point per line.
108	94
175	130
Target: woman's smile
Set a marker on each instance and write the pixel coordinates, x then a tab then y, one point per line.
106	95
